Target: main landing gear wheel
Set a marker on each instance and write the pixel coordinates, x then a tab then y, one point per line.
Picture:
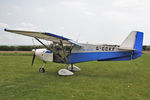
42	70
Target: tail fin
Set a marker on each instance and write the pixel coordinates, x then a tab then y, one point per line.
134	42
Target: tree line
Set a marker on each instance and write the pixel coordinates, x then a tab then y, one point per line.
19	48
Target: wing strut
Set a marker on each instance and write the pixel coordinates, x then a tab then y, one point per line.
66	60
49	48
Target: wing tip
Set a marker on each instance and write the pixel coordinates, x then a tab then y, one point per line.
5	29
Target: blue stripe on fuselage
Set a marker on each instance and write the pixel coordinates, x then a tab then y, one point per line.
101	56
48	51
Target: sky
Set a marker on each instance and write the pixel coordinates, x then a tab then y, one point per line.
85	21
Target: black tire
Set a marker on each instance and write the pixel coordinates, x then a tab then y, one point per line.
42	70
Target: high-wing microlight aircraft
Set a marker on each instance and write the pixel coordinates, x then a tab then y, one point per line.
66	51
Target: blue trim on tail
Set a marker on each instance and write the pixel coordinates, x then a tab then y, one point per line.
138	45
139	41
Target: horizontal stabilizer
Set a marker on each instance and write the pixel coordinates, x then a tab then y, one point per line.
126	49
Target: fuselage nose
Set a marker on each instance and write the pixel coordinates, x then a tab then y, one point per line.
39	53
44	54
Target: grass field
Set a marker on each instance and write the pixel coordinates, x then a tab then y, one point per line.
122	80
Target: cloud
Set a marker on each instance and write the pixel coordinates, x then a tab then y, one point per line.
134	4
22	26
78	5
3	25
116	15
89	13
41	9
28	26
74	4
15	39
61	28
126	3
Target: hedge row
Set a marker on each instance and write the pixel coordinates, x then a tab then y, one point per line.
19	48
146	48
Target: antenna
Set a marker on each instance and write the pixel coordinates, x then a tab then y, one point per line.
78	37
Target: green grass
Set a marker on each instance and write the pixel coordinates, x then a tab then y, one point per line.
122	80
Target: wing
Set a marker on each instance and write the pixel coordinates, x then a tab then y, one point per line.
45	36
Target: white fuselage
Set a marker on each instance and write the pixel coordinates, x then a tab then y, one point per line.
44	54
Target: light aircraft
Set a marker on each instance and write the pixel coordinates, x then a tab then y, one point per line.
66	51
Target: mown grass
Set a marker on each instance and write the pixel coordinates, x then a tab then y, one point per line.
122	80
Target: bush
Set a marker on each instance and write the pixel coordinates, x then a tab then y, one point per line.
7	48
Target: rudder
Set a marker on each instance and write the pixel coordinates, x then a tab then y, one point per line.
139	41
138	46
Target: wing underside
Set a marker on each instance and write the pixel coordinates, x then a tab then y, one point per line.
45	36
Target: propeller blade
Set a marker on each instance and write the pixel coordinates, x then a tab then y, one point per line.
34	50
33	58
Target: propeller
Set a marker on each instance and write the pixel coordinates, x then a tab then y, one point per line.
34	50
33	57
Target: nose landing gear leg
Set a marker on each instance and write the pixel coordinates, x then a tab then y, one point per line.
42	70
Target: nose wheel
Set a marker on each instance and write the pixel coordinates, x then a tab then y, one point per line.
42	70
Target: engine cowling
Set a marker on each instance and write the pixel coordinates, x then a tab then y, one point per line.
44	54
